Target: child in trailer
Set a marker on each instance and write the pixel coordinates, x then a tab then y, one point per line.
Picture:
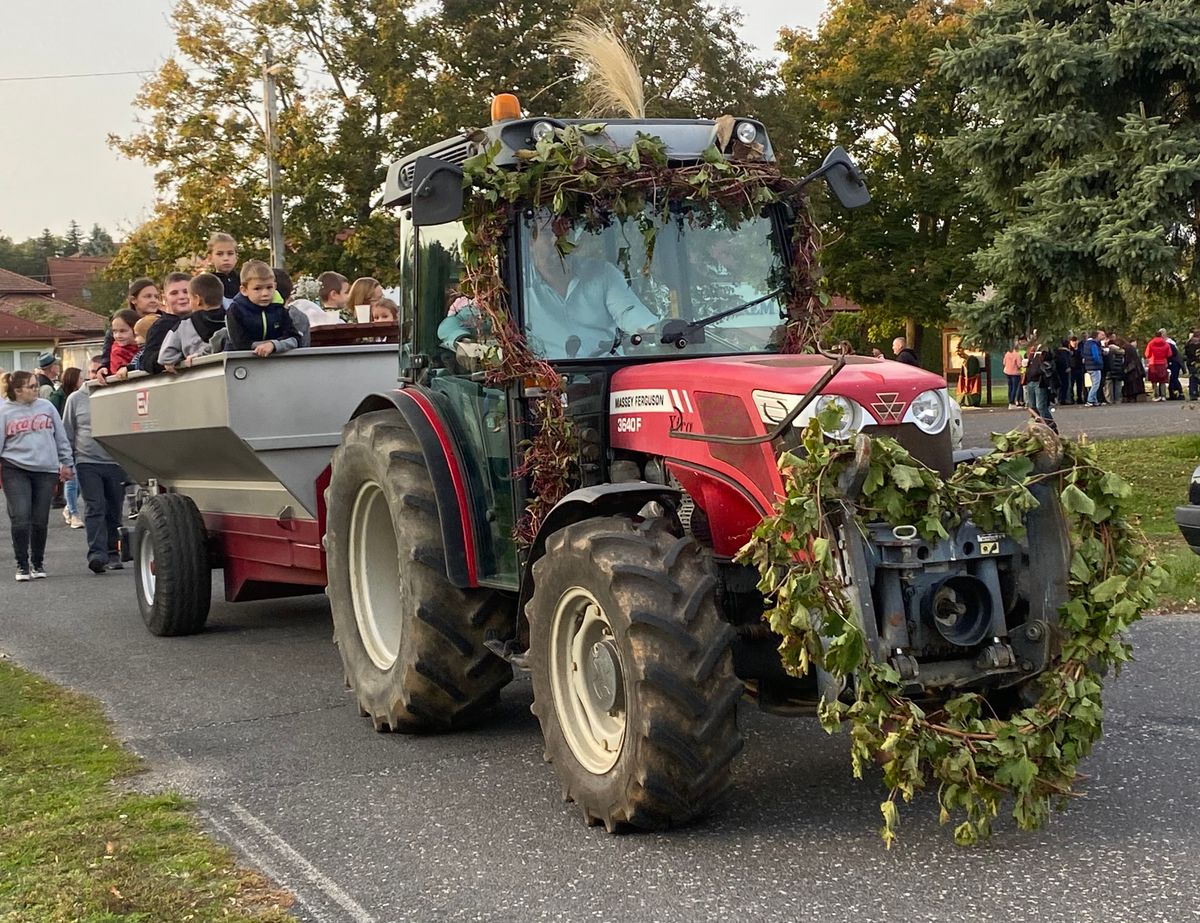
206	315
223	257
254	320
124	345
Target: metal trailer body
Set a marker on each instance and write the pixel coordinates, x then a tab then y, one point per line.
249	441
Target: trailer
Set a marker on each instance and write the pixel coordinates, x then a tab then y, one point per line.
235	455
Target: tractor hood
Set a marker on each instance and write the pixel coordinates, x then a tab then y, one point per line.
881	391
667	411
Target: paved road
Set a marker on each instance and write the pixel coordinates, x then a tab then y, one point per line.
1114	421
250	718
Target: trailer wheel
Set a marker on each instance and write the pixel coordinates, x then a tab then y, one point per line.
172	573
411	643
632	674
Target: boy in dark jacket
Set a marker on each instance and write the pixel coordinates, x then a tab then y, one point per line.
222	256
254	321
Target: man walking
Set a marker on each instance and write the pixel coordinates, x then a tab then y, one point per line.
1191	351
1093	364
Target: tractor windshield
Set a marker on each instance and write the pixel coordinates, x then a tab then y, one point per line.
586	293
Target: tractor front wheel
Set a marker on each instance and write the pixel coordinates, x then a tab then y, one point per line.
632	673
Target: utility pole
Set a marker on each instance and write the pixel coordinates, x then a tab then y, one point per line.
277	254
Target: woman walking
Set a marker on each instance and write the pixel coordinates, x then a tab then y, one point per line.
1012	371
34	456
70	384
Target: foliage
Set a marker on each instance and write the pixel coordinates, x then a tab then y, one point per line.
40	312
584	182
76	846
361	83
28	257
977	758
865	80
1088	150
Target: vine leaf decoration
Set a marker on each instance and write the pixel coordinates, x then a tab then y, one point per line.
582	180
976	757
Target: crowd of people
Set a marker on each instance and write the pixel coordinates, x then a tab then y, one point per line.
1091	371
47	454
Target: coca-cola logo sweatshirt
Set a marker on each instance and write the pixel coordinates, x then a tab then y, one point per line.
32	436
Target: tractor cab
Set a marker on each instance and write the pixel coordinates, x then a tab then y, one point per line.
672	283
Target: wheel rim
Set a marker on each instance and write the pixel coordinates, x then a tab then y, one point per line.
146	567
375	576
587	681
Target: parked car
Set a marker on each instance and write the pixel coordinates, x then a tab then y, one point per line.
1188	517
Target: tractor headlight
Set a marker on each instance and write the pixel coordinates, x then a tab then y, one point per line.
542	130
929	411
848	423
746	132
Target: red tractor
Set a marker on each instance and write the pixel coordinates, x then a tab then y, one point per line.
640	630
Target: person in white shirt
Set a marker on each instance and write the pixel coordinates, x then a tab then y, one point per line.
575	306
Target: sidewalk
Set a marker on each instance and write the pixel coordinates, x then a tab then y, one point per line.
1110	421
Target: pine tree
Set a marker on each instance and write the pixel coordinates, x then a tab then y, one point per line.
73	242
99	243
1089	151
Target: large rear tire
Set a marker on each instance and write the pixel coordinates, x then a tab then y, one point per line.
411	643
632	674
172	572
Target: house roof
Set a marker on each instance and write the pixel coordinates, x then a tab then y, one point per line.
70	275
11	283
72	319
23	330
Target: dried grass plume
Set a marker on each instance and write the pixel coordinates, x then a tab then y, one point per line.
614	83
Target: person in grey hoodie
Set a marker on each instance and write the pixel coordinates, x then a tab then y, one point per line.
101	480
34	456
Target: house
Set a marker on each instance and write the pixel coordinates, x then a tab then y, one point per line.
33	321
72	276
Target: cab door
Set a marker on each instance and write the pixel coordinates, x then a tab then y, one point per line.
434	317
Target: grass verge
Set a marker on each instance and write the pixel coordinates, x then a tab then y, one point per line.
1159	469
74	846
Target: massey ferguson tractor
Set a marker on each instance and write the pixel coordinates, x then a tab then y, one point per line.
640	630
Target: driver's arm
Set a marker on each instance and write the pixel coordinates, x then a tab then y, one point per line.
622	304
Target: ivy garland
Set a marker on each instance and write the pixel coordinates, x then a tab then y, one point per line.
582	182
976	757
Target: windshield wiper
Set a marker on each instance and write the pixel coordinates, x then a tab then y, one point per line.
677	330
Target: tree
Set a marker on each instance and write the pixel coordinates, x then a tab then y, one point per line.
49	245
692	60
40	312
866	81
99	243
1088	148
362	82
73	242
25	258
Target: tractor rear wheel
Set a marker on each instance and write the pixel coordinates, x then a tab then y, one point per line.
411	642
632	673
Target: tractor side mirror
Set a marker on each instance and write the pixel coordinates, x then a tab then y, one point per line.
437	191
844	179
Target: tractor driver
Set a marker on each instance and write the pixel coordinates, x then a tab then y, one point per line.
574	305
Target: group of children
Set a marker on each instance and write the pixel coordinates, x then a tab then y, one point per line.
228	309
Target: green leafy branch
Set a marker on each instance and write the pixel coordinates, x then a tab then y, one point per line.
977	757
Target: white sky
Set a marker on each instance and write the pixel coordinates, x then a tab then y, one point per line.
55	164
